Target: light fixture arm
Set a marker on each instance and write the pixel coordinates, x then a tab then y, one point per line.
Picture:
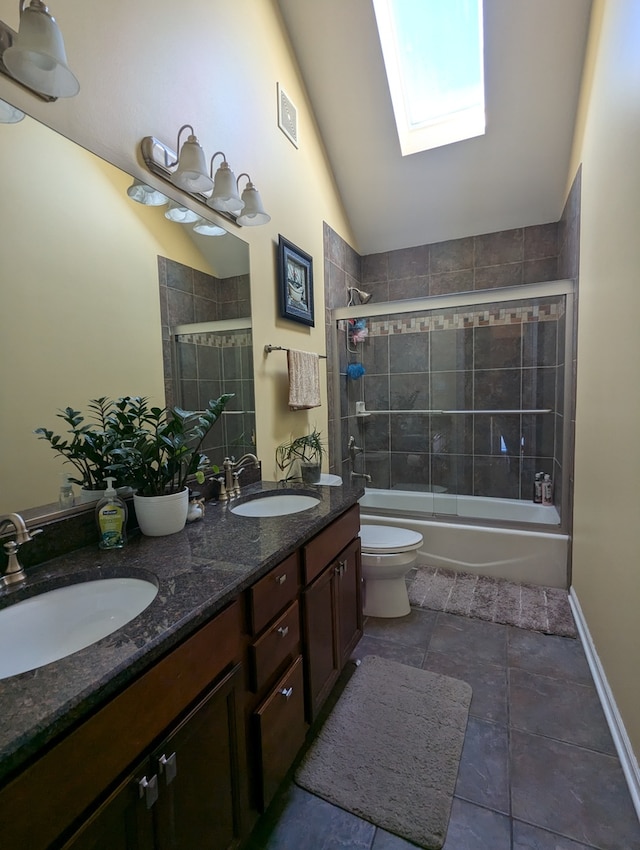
184	127
244	174
217	153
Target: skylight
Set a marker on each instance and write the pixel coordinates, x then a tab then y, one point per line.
433	54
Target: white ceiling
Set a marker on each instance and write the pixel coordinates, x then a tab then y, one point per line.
513	176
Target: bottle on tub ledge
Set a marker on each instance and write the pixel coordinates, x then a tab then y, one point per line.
537	489
547	490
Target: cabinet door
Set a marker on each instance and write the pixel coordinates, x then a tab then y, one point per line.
348	586
125	820
321	654
199	773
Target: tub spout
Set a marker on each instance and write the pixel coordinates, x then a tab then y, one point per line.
363	475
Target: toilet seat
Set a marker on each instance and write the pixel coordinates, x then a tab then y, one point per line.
387	539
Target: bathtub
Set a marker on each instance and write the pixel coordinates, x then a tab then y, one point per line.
528	555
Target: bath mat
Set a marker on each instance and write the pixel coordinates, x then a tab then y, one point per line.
541	609
390	749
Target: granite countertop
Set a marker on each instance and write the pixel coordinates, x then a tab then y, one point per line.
198	571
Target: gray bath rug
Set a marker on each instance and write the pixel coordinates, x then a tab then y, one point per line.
390	749
542	609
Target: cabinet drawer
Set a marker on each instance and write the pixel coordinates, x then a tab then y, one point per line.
329	543
281	729
280	640
272	593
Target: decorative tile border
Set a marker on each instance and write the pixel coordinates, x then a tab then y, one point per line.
217	340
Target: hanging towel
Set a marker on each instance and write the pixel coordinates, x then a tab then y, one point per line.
304	379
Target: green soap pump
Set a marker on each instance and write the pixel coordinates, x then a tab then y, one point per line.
111	516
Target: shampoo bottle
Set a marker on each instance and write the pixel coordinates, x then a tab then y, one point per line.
547	491
537	489
111	516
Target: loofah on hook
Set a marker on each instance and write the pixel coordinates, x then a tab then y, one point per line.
355	371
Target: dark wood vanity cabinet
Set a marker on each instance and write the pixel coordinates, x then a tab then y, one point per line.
331	605
189	703
192	751
276	725
187	793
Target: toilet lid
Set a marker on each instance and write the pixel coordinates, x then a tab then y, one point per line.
388	538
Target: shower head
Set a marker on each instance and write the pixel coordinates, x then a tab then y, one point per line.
362	296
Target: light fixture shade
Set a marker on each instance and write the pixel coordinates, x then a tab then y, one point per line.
191	174
208	228
147	195
225	196
37	56
9	114
178	212
253	213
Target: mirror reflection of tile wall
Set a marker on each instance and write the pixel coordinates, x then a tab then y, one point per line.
203	365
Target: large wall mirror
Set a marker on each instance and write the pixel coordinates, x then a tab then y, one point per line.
102	296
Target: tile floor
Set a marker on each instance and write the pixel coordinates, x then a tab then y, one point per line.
538	771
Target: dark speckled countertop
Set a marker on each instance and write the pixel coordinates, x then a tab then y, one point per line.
198	571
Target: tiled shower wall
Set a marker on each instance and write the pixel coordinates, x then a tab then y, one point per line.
495	358
203	366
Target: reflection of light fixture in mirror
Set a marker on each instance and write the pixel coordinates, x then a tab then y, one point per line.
225	197
363	297
9	114
36	56
147	195
208	228
180	213
253	213
191	174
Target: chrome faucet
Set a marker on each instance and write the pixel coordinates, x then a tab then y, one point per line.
232	470
354	451
15	572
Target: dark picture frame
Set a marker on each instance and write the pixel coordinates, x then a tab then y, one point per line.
295	283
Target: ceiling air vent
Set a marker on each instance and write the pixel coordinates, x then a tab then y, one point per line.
287	116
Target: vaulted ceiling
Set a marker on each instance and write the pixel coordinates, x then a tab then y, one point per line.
514	176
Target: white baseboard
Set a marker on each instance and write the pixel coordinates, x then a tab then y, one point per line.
621	740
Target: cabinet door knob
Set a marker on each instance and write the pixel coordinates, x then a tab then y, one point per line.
169	767
148	789
286	692
283	631
281	579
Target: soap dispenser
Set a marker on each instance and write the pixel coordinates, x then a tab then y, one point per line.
111	517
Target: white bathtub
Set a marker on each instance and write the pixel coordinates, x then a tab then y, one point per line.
532	556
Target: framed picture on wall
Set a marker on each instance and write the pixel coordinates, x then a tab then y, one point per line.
295	283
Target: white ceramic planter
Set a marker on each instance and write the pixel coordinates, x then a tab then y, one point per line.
161	515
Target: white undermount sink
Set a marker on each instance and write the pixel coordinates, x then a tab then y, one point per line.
275	504
54	624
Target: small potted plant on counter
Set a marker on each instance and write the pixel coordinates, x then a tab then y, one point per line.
302	457
89	448
160	450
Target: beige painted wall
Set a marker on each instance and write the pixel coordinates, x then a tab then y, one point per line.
146	68
606	547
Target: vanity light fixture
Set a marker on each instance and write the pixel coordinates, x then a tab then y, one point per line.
9	114
253	213
221	193
35	55
191	174
225	197
180	213
208	228
147	195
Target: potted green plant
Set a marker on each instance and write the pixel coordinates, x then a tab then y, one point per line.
302	457
159	451
89	448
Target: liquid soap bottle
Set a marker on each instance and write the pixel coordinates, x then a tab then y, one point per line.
111	517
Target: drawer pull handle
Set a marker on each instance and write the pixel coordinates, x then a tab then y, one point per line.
343	567
149	790
281	579
286	692
169	767
283	631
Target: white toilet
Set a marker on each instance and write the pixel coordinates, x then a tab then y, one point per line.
388	553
